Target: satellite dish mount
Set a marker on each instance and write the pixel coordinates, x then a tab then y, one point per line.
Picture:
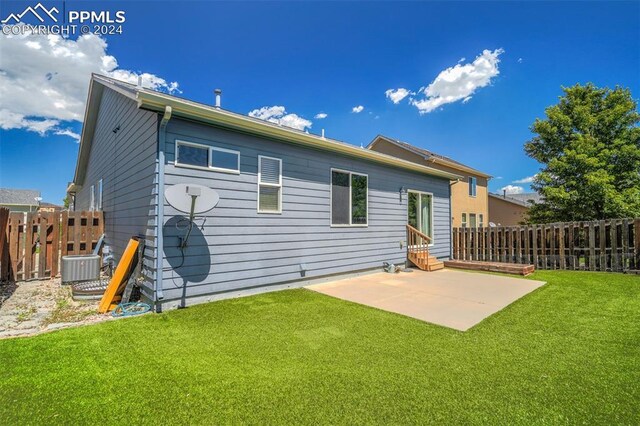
193	199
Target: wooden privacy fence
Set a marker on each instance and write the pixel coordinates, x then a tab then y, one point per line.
36	241
4	218
606	245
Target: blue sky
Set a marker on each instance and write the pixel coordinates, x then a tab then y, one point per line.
331	57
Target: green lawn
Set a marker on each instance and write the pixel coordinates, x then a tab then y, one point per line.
567	353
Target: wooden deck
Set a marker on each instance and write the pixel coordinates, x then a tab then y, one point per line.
508	268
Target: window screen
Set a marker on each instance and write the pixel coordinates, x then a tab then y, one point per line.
340	198
192	155
348	198
358	200
269	185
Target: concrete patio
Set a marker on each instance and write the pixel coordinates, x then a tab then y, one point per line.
451	298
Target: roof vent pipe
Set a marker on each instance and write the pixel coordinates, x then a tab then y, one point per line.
322	133
504	193
218	93
139	81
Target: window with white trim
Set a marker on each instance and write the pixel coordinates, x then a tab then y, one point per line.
349	198
99	198
92	198
481	220
464	220
269	185
473	186
189	154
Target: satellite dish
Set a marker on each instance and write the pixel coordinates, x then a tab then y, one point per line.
191	198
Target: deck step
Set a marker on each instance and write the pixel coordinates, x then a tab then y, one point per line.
435	266
426	262
509	268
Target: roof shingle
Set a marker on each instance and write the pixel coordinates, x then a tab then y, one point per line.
26	197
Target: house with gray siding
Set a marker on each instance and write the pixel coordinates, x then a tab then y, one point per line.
20	200
293	207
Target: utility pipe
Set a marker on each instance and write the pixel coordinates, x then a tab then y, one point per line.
162	139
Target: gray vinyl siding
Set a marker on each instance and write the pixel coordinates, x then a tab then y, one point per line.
233	247
126	162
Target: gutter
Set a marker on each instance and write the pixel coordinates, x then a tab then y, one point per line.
162	138
216	116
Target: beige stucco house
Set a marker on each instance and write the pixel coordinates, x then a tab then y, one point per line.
512	209
469	195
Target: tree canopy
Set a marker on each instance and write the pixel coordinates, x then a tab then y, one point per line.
589	146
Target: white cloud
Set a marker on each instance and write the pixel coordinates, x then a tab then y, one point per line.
459	82
357	109
520	60
67	132
512	189
527	179
497	177
44	80
397	95
278	114
321	115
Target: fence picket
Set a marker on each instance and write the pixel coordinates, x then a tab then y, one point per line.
636	239
571	245
614	245
561	257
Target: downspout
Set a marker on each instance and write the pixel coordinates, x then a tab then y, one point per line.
162	138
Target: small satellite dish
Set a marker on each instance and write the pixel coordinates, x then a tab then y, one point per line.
191	198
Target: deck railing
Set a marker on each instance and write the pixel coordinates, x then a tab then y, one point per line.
417	247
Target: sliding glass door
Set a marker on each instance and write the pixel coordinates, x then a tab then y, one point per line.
420	212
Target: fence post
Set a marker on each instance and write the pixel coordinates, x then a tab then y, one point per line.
614	245
534	244
636	239
561	246
54	241
625	245
602	231
487	247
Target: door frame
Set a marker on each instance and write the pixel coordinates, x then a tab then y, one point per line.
415	191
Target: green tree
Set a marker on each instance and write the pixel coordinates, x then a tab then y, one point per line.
66	202
589	146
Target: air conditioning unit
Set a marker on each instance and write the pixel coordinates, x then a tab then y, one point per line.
84	267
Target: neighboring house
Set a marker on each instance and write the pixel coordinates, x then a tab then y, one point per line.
49	207
508	210
20	200
293	207
528	197
469	201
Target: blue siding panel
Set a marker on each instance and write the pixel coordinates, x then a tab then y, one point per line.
233	247
126	161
